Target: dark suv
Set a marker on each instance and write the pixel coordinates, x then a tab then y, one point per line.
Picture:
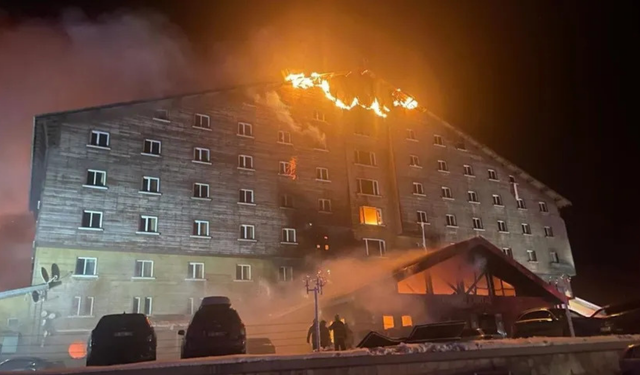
121	338
216	329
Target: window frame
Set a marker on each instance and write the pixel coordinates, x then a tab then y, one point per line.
372	162
468	170
472	197
285	168
508	252
200	151
421	189
197	226
502	226
198	124
286	236
363	215
554	257
322	205
286	201
164	117
381	249
477	223
446	193
414	161
143	262
90	227
243	193
192	271
320	175
146	219
242	162
542	206
244	231
520	204
443	166
243	267
527	231
150	184
245	125
497	200
438	140
80	302
148	301
453	223
422	217
282	137
287	275
319	115
96	172
532	256
374	185
84	274
410	135
493	174
548	231
151	142
197	186
98	134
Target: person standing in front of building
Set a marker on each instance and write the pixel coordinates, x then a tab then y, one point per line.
312	335
325	336
339	333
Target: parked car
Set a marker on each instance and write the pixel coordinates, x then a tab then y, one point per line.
18	364
622	318
630	360
216	329
260	345
121	338
478	334
553	322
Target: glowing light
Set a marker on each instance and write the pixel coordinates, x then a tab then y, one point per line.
78	350
300	81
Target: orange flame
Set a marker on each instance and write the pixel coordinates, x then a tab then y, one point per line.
292	170
300	81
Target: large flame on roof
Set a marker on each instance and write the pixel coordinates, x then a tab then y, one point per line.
301	81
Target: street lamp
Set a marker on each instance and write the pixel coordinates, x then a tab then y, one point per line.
315	285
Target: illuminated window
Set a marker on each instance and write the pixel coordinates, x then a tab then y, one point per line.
493	175
437	140
407	321
497	200
526	229
284	137
554	257
521	204
468	170
285	168
442	166
370	215
418	189
99	139
374	247
422	217
365	158
388	321
548	232
503	288
543	207
245	162
411	135
472	196
202	121
502	226
451	221
477	223
322	174
368	187
532	256
446	193
245	129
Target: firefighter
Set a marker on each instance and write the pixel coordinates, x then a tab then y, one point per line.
325	336
339	333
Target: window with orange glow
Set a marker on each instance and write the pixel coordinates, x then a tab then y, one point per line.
370	215
503	288
407	321
387	321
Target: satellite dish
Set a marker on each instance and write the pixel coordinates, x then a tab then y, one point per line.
44	313
35	296
55	272
44	274
52	316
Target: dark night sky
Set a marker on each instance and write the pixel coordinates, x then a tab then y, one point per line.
547	84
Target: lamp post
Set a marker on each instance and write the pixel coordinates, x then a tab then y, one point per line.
315	285
561	283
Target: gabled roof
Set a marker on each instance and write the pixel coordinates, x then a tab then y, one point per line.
498	263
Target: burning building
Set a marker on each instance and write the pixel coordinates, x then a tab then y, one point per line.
149	206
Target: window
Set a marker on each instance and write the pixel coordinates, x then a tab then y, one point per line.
418	189
442	166
82	306
414	161
493	175
497	200
502	226
136	305
512	179
285	169
370	215
543	207
437	140
472	196
86	266
477	223
151	147
532	256
286	201
422	217
201	155
460	145
388	322
243	272
322	174
285	274
247	232
324	205
150	184
507	251
554	257
365	158
161	114
195	271
96	178
362	128
289	235
245	162
91	220
201	228
200	190
202	121
521	204
99	139
148	224
375	247
148	306
246	196
318	115
284	137
468	170
368	187
446	193
245	129
411	135
144	269
407	321
451	221
548	232
526	229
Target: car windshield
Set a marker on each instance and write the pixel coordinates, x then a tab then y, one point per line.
208	316
122	322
